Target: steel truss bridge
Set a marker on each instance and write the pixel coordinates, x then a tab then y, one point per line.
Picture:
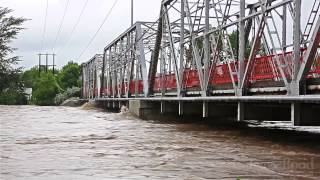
214	50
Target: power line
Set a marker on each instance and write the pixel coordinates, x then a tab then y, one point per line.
44	26
75	25
61	23
96	33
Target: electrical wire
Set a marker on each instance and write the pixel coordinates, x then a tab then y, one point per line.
44	26
60	26
75	25
96	33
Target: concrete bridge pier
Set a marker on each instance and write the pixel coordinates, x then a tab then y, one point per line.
303	114
145	109
194	111
299	113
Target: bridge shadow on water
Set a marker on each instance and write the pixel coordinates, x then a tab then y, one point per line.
277	132
304	137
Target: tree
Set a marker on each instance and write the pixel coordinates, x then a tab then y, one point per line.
10	76
69	76
30	77
234	41
45	90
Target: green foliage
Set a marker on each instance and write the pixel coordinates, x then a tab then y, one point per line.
234	39
30	77
45	90
70	92
11	88
47	86
69	76
234	44
13	97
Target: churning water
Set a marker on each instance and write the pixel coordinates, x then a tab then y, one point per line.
72	143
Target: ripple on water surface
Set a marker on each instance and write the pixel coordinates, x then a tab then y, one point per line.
71	143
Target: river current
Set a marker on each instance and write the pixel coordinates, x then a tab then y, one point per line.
73	143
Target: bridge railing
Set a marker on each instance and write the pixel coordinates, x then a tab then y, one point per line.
263	71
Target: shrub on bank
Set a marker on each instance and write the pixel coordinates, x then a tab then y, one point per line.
70	92
13	97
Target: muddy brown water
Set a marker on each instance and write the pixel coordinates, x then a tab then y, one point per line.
72	143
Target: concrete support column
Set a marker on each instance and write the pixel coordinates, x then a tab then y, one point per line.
296	114
205	110
240	111
242	47
144	109
180	108
114	104
162	107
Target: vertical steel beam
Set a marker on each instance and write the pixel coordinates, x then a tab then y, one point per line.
131	63
284	27
109	83
103	73
181	68
163	60
242	47
206	49
172	51
294	86
132	59
131	12
142	59
155	55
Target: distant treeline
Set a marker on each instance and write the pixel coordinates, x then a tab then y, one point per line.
48	88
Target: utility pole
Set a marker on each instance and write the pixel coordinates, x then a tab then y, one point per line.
46	62
53	56
131	12
47	65
39	64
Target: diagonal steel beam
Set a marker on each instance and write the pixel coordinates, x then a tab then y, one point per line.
309	57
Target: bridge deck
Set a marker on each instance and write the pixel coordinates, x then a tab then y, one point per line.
269	98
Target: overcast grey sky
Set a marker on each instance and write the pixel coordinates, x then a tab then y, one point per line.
29	40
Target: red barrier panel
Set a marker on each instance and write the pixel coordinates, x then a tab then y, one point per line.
157	84
315	70
133	87
171	82
191	78
264	69
221	74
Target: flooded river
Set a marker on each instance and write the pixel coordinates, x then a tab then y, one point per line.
72	143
